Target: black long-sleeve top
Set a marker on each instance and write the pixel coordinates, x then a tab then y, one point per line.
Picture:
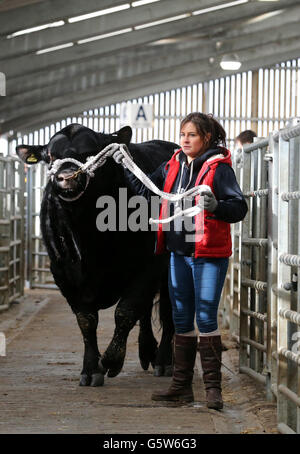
231	207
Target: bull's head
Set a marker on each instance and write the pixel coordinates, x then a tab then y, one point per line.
77	142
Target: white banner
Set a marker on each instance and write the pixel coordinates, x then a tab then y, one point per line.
137	115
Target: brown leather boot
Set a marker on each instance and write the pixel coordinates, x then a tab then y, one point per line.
184	360
211	353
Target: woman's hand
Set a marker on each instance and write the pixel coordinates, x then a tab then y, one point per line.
210	203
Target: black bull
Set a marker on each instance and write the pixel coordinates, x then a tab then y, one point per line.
97	269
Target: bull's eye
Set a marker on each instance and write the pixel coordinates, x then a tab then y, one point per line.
52	159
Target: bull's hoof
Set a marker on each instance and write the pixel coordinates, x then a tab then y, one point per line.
85	380
97	379
112	361
114	372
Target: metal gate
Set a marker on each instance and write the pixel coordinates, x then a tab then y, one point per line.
12	247
38	265
264	297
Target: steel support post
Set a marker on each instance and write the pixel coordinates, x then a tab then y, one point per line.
245	261
254	216
272	270
292	328
283	275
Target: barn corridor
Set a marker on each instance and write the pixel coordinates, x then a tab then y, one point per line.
39	377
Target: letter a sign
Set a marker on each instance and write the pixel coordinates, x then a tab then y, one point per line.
137	115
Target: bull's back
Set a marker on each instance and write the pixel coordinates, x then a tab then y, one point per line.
151	154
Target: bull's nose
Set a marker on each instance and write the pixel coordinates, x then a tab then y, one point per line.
64	176
65	180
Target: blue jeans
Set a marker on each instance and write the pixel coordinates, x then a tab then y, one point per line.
195	286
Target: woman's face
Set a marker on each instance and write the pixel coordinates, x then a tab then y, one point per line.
192	144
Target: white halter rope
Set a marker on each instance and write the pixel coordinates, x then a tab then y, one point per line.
193	192
89	167
93	162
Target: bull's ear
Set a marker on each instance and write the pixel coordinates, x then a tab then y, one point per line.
123	135
31	154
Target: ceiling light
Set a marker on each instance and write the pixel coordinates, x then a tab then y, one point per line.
101	12
35	29
215	8
162	21
143	2
230	62
53	49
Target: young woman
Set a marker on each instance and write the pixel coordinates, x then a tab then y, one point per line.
197	268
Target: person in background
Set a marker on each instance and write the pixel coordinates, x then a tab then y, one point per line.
244	138
197	267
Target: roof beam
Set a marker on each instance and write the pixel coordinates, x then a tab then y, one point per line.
82	69
202	50
140	86
47	11
117	73
11	67
285	17
73	32
6	5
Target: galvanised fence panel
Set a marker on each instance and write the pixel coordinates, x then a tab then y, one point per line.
268	263
12	202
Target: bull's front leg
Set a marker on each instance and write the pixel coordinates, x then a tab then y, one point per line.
92	373
127	313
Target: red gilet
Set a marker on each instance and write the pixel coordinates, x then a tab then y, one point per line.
212	236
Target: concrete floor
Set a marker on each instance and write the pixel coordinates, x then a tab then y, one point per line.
39	376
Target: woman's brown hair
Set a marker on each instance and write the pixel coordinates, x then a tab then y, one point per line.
206	124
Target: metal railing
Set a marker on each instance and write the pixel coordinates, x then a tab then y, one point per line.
38	264
12	196
261	296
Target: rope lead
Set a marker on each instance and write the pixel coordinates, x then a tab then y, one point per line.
94	162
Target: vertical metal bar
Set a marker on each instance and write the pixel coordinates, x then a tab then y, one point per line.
254	100
262	233
283	275
293	184
272	270
21	230
298	298
245	261
4	235
30	195
254	257
205	101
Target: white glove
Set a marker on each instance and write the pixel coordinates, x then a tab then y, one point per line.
210	203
